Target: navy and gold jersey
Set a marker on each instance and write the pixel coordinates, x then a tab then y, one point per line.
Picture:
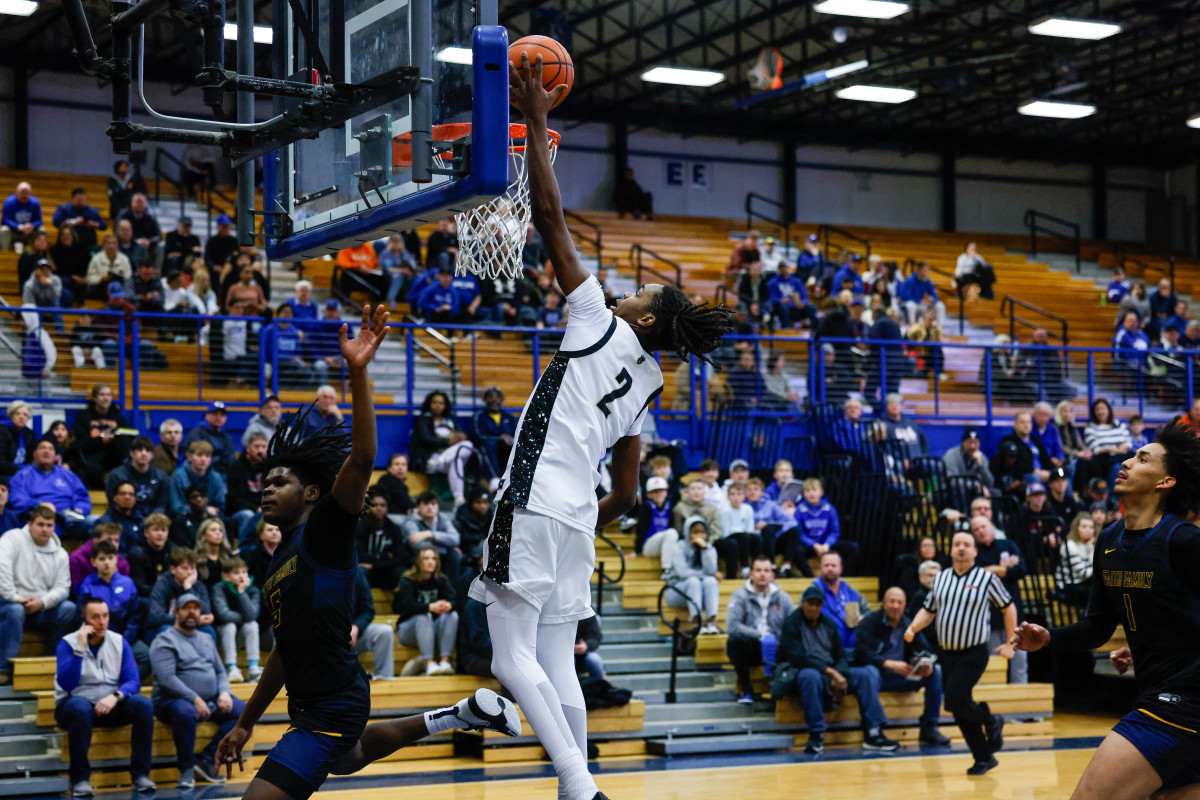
311	607
1145	581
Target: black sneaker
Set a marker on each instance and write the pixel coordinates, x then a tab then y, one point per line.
980	767
995	731
931	735
816	744
879	742
600	796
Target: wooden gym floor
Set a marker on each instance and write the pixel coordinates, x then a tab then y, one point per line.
1029	770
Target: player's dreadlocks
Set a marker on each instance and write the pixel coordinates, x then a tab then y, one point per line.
687	329
1182	461
315	459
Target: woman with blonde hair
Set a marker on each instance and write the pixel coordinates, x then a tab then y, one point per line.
1074	573
424	599
212	547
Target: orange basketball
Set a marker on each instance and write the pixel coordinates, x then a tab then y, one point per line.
557	67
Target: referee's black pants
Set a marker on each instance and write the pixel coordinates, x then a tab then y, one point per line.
961	670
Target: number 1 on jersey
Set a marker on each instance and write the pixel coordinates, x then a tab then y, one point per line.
624	384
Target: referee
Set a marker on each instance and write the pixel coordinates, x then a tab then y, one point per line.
959	602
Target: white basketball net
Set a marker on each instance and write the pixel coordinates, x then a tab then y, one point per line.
491	237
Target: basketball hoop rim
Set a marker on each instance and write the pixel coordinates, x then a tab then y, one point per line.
453	131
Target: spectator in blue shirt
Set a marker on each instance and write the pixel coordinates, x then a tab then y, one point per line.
552	314
789	299
84	219
440	302
1118	287
43	481
8	518
919	295
848	272
1179	317
1130	342
117	590
1045	434
469	298
492	431
212	431
820	531
812	261
96	685
844	606
302	305
1162	301
285	351
197	471
771	521
20	217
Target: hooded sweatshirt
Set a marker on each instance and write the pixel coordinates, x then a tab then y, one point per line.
683	559
754	614
29	570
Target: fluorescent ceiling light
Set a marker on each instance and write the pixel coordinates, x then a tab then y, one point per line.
876	94
262	34
455	55
1074	28
1194	121
872	9
18	8
683	77
1055	110
845	69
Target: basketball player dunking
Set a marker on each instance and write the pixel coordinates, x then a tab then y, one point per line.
592	396
1146	577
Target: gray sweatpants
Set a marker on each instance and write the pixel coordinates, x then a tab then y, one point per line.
229	636
379	639
429	634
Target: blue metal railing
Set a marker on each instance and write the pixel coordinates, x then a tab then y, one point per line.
734	407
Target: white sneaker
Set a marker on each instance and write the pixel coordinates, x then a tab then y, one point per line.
235	675
432	668
254	674
444	667
745	572
486	710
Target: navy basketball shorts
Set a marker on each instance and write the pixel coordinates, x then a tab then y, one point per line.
318	737
1173	751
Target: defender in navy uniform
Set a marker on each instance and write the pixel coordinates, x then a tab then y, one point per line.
1147	579
314	491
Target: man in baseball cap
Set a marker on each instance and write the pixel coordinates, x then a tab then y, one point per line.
211	431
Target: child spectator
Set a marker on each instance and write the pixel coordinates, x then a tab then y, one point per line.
660	467
80	561
473	519
236	605
429	527
212	548
710	471
424	600
552	314
1137	432
737	525
655	536
186	526
739	472
382	546
784	474
180	578
113	588
819	530
770	520
694	576
693	504
85	342
197	472
148	558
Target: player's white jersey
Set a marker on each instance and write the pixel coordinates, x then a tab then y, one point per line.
595	391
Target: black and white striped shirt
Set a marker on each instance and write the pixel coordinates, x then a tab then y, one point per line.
961	603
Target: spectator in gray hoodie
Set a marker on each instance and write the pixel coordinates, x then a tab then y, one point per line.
191	686
893	426
968	460
695	578
427	526
34	583
754	620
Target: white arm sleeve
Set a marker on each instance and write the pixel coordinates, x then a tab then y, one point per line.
589	318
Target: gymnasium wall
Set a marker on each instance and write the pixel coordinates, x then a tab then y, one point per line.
704	176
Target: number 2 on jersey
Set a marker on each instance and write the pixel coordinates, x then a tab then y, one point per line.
624	384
